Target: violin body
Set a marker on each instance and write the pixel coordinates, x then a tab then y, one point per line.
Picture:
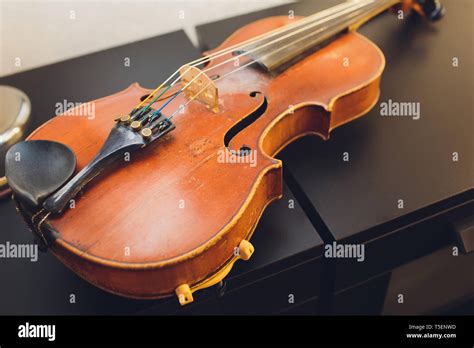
174	214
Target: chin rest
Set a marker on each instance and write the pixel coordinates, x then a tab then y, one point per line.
36	169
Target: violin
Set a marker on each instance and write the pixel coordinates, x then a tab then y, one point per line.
159	192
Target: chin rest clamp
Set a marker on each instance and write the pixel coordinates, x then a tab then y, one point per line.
35	224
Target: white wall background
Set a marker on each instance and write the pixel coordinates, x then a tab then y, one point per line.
39	32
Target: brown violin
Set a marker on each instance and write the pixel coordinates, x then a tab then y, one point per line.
159	193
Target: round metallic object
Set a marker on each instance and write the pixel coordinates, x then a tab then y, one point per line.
146	133
15	111
136	125
125	118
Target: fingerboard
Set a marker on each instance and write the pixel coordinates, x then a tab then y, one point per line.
311	33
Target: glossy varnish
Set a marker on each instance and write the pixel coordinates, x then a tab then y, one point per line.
174	213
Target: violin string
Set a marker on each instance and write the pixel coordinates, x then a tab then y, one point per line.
233	71
241	45
156	113
267	35
263	36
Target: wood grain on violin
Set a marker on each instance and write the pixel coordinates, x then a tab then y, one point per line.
174	215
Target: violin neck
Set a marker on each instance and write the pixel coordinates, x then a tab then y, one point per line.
311	33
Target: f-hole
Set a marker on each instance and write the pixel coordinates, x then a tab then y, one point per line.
242	124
